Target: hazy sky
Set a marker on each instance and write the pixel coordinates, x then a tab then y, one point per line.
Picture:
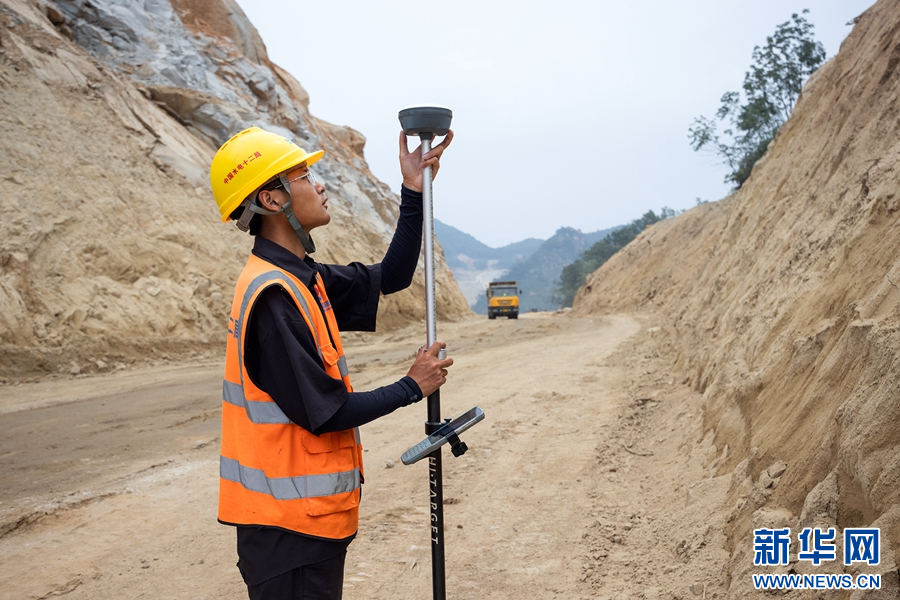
565	113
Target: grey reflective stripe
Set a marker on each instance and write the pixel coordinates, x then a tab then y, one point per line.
342	366
356	431
259	281
288	488
266	413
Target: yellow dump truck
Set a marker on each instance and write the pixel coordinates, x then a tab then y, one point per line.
503	299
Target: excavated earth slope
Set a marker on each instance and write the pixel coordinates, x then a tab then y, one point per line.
111	248
781	305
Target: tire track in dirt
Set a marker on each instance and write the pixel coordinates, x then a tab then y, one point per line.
520	495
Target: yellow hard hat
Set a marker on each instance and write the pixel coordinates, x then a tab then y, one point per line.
247	161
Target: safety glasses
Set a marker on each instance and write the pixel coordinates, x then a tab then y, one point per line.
310	176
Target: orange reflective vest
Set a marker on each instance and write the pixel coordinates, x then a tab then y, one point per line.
272	471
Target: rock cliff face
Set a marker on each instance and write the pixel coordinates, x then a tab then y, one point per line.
110	247
781	304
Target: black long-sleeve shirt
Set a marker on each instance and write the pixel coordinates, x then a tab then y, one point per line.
282	359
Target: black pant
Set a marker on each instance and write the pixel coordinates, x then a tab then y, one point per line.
320	581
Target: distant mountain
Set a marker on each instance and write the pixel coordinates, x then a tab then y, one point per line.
538	275
475	264
534	264
456	242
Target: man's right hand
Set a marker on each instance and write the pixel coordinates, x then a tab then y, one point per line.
412	163
429	371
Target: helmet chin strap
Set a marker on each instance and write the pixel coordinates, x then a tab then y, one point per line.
304	237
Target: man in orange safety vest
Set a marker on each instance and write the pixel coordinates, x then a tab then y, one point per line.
291	463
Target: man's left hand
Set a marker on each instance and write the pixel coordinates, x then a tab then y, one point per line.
412	163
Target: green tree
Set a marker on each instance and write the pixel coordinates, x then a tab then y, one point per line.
771	88
573	275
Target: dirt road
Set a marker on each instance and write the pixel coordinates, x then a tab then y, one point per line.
571	488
